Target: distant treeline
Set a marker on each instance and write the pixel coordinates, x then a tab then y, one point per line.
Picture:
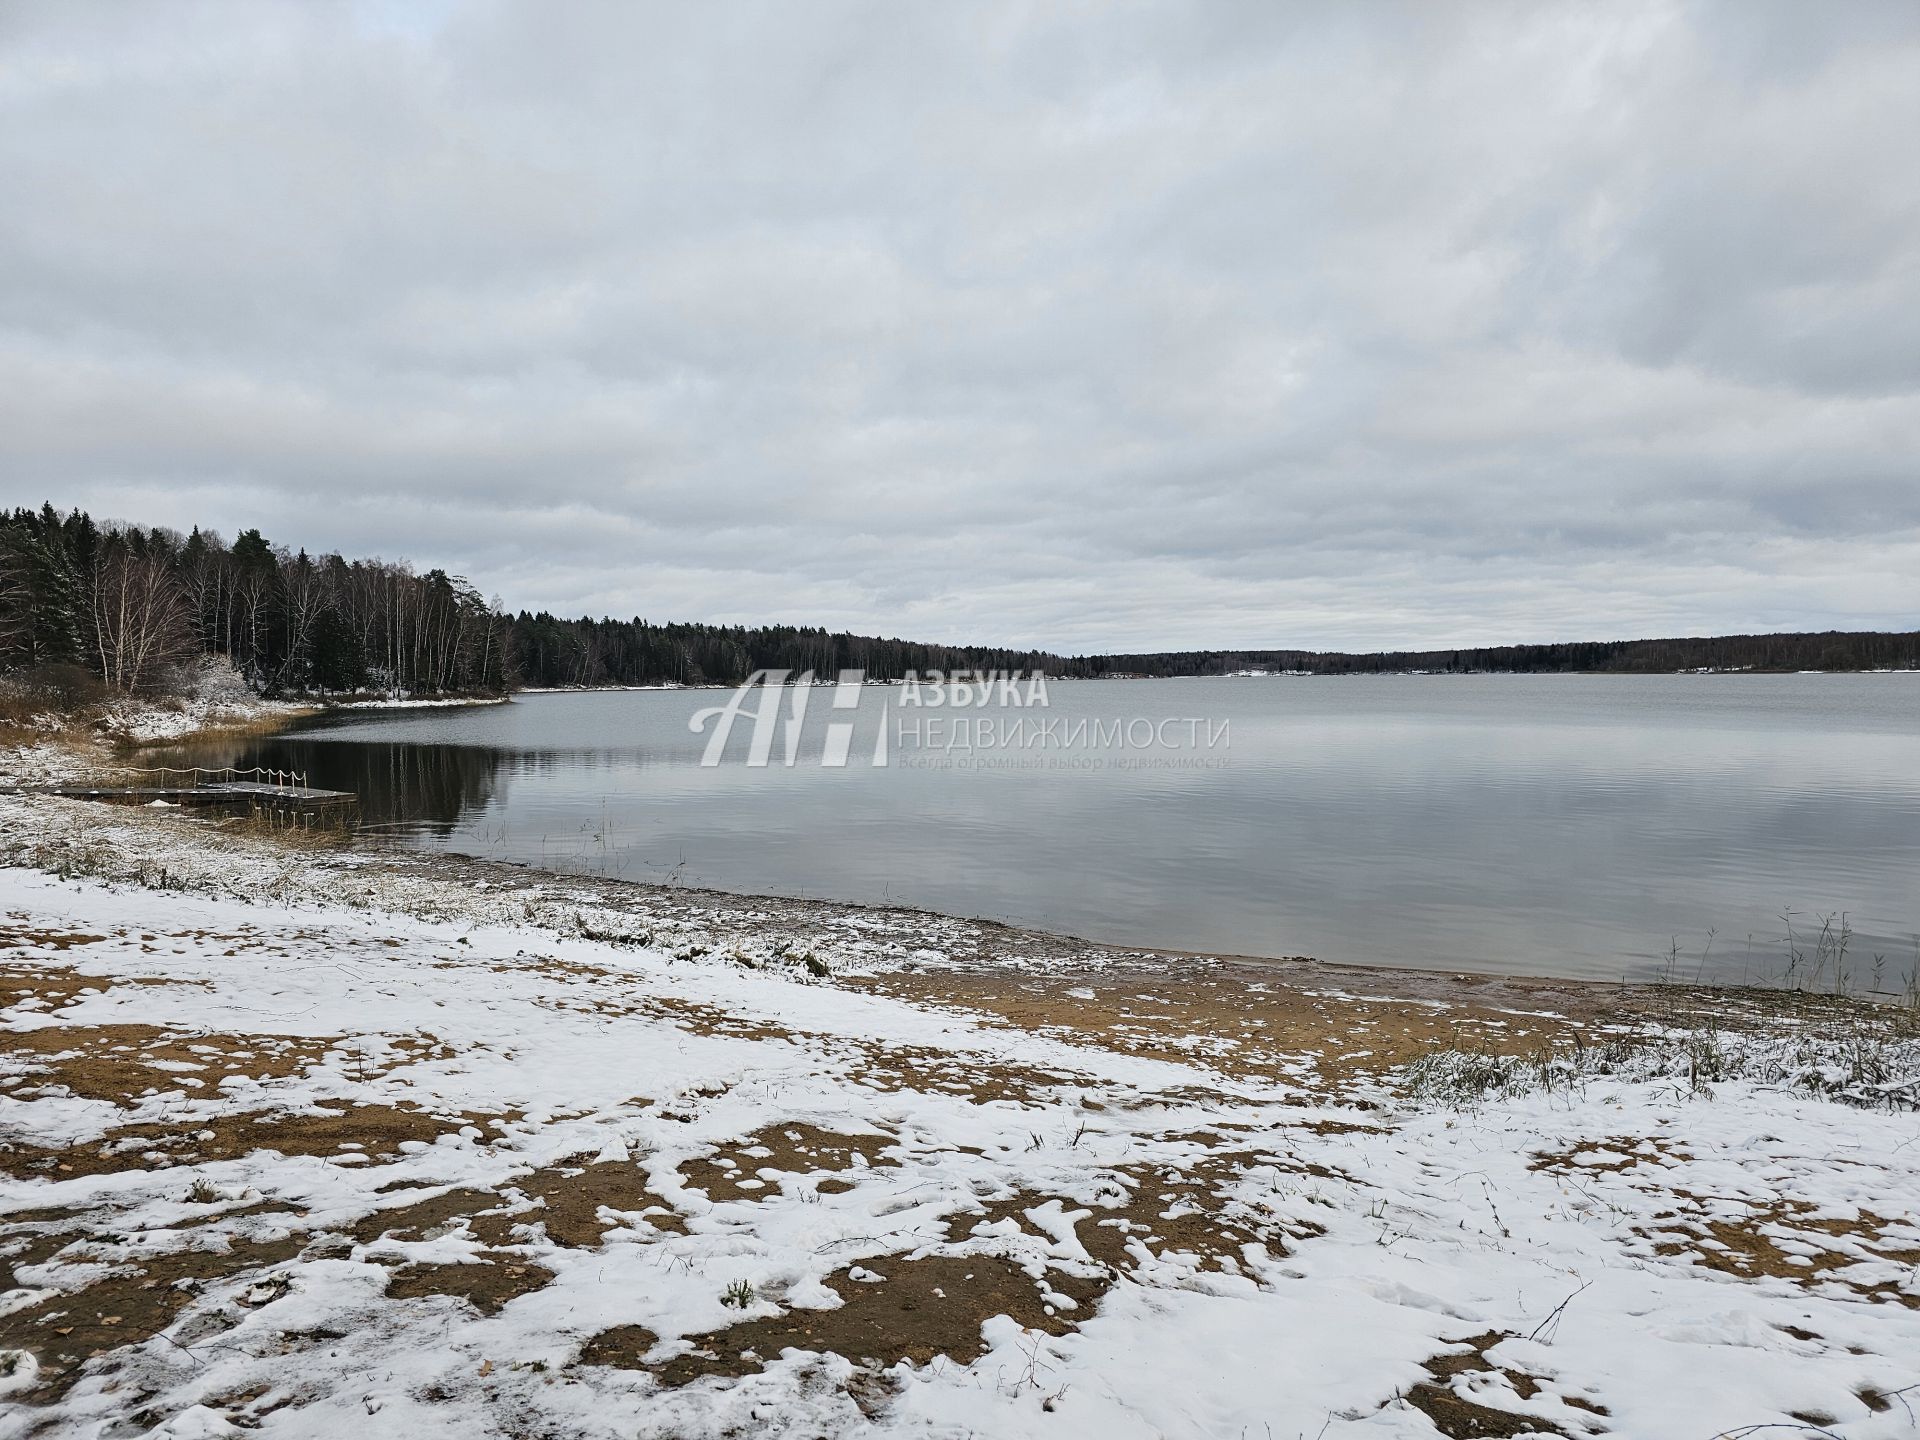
1825	650
130	605
548	652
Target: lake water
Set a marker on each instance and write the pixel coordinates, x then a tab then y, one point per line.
1568	825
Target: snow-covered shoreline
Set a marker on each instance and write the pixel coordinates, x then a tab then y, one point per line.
144	723
301	1141
410	702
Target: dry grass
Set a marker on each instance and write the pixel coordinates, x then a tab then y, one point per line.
1861	1054
754	1167
134	1302
225	729
914	1309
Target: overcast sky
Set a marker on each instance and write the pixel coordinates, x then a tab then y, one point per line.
1086	326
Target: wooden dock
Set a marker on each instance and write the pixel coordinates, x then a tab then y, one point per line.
282	793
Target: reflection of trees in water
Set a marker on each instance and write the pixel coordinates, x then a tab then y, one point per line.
424	785
554	762
430	785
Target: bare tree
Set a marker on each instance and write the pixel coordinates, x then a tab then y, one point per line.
204	574
140	619
16	599
305	592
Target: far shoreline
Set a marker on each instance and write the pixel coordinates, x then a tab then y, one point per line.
1052	679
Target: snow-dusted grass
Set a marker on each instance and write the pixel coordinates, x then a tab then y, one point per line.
1851	1061
41	744
146	722
208	696
1135	1246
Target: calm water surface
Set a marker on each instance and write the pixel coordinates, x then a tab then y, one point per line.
1565	825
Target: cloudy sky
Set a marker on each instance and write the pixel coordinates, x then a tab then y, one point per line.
1091	326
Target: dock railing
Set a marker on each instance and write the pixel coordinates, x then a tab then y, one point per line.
199	776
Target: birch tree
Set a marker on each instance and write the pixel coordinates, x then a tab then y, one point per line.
140	618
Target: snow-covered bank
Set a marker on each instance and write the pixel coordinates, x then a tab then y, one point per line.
53	747
308	1144
611	689
147	723
415	702
210	697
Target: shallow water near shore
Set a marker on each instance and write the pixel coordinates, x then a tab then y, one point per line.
1554	825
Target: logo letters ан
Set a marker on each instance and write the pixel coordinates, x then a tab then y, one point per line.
765	716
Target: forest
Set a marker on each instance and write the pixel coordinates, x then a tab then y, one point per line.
132	605
551	653
129	606
1820	650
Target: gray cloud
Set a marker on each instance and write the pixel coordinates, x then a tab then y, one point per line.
1156	325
